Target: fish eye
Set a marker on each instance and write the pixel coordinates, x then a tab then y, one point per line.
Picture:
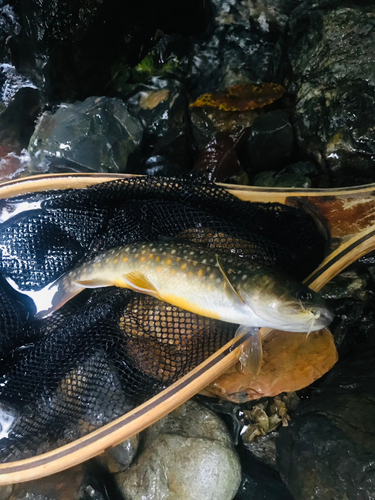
303	296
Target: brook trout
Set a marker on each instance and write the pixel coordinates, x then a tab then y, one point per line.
197	280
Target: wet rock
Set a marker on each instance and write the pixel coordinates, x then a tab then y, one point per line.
260	482
76	483
346	284
236	50
11	82
9	31
234	54
278	179
161	107
118	458
299	174
263	419
272	15
186	455
270	144
207	122
96	135
19	106
218	162
69	48
327	451
326	56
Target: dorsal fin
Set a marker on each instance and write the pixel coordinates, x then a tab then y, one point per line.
229	287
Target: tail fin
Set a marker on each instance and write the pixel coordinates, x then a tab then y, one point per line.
51	297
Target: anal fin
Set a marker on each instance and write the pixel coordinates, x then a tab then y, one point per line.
251	356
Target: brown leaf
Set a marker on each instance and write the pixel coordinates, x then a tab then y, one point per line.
291	362
242	97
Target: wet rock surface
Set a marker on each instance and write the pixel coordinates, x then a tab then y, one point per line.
96	135
271	142
326	57
186	455
327	451
161	106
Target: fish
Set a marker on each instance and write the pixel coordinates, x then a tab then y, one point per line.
201	281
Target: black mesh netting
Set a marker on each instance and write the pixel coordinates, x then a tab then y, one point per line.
110	349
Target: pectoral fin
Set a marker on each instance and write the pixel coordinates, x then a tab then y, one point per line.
229	288
140	283
252	352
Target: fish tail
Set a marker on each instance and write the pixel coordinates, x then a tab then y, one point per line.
51	297
251	356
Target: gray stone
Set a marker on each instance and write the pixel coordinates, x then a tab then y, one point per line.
187	455
96	135
118	458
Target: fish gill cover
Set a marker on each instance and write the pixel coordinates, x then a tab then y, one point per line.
108	350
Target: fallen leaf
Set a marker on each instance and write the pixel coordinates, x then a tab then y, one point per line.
242	97
219	160
291	361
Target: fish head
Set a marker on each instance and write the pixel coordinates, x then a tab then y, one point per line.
284	303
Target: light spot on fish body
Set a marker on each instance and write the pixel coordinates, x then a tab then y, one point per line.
173	251
125	259
143	258
184	266
212	276
200	273
168	262
157	259
115	261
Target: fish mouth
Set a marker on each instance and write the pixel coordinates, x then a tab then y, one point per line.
308	320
